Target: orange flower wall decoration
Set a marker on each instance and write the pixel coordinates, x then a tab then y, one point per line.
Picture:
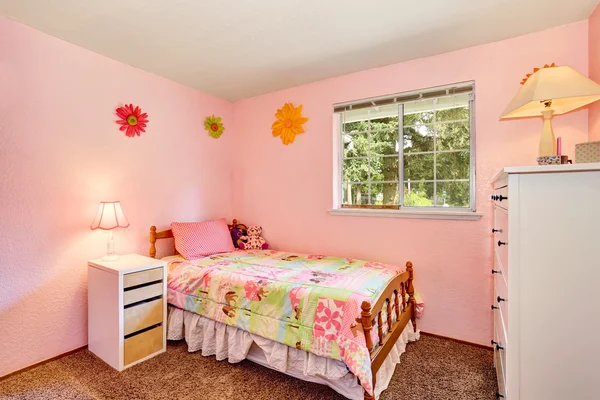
289	123
536	70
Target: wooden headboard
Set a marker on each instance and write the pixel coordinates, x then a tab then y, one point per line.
159	235
169	234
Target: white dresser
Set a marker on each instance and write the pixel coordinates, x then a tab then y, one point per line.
546	271
127	309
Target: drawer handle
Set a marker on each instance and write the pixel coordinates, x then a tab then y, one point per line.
494	197
498	347
496	272
501	243
499	396
500	299
495	308
496	230
500	198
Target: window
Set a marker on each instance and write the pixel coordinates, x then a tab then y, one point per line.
412	151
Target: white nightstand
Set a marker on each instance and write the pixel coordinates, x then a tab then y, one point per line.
127	309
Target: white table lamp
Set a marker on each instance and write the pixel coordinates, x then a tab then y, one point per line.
550	91
110	216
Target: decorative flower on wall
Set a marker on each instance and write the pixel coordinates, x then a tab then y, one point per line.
214	126
132	120
289	123
536	70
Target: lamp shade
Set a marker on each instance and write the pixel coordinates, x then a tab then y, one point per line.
109	216
566	88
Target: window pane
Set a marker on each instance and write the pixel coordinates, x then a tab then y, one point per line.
384	194
453	136
385	142
452	108
418	167
386	115
356	145
453	194
384	168
356	170
455	165
356	120
418	112
418	138
418	194
355	194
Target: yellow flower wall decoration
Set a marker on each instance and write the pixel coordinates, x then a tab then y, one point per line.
289	123
214	126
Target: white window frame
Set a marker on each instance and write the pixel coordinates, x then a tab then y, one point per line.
434	212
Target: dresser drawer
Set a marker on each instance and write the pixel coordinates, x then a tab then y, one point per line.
501	347
139	278
142	345
501	197
142	293
501	292
500	374
142	316
501	240
500	327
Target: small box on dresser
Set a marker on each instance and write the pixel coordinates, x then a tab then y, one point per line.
546	272
127	309
588	152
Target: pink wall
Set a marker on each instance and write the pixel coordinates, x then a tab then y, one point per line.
61	153
289	189
594	50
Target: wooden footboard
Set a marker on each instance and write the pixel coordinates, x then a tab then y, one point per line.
400	291
405	310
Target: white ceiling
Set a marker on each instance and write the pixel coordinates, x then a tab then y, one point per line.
236	49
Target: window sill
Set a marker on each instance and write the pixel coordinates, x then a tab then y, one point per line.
425	214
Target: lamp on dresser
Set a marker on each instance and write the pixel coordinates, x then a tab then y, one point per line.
551	90
110	216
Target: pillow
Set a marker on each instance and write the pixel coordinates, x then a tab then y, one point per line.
201	239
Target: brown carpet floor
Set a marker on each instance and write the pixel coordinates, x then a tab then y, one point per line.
431	369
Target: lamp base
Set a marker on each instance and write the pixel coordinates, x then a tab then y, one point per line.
110	249
547	141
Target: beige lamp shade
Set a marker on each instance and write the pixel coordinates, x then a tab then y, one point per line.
109	216
564	87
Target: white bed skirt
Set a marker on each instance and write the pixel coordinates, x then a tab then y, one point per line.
233	344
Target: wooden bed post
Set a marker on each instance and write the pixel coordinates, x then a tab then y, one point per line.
367	323
411	294
153	241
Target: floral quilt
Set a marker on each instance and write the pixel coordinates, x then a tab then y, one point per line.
309	302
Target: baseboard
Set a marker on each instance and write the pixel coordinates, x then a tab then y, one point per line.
47	360
481	346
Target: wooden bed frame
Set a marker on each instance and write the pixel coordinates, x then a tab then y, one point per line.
399	287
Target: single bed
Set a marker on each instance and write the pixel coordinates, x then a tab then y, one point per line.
331	320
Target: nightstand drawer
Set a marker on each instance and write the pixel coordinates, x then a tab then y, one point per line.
142	293
142	345
139	278
142	316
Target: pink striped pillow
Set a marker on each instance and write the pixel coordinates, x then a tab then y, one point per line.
201	239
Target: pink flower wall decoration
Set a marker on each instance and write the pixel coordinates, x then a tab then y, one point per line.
132	120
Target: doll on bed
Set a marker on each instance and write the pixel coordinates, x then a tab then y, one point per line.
247	238
253	240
